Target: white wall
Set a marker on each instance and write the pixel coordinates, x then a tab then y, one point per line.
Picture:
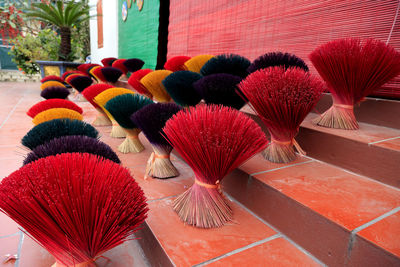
110	31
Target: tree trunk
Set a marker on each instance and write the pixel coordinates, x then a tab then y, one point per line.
65	46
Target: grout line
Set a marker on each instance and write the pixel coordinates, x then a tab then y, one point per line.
265	240
11	112
384	140
283	167
19	248
275	229
159	199
10	235
377	219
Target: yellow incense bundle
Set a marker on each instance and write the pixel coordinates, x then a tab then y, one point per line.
56	113
51	83
196	63
153	83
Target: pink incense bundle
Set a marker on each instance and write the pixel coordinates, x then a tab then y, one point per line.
282	98
52	103
77	206
352	69
176	63
213	140
134	81
90	93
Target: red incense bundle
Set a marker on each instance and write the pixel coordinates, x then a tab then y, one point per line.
134	81
77	206
96	73
70	72
352	69
86	67
282	98
52	103
213	140
119	64
107	62
52	78
176	63
90	93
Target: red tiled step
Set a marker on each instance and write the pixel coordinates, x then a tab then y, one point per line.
373	151
324	209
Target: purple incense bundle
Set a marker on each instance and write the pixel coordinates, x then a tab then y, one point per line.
133	64
151	119
273	59
55	92
111	74
70	144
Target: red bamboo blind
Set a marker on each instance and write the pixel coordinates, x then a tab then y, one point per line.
254	27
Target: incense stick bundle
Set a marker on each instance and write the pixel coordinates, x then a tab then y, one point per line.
80	83
119	64
55	93
275	59
95	72
90	93
151	119
52	103
226	63
220	89
196	63
77	206
352	69
153	83
49	130
70	144
101	100
133	64
213	140
51	84
121	108
107	62
282	98
179	86
134	81
176	63
56	113
70	72
52	78
86	67
111	74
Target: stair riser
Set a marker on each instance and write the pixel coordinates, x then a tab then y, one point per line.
375	111
318	235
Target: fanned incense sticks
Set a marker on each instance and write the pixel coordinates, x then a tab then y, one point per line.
179	86
213	140
55	92
133	64
51	84
196	63
121	108
153	83
176	63
275	59
70	144
226	63
111	74
282	98
90	93
352	69
102	99
151	119
220	89
107	62
77	206
52	103
134	81
56	113
52	78
49	130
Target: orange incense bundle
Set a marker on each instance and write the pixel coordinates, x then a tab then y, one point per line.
134	81
51	84
176	63
101	100
282	98
90	93
352	69
153	83
213	140
52	103
77	206
196	63
56	113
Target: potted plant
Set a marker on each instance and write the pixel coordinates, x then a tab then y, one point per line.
64	16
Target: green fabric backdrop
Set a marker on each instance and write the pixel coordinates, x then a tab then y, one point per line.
138	35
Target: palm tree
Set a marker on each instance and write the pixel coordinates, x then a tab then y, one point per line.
62	15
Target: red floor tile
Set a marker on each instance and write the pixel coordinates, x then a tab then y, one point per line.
385	233
187	245
8	166
277	252
8	226
33	255
393	144
12	151
344	198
